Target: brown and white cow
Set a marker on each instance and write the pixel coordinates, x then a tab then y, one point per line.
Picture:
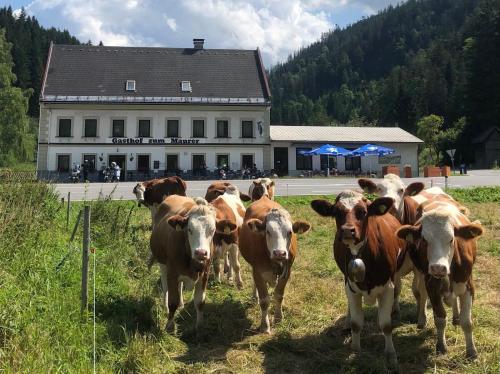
217	189
444	249
268	242
261	187
365	249
228	207
182	243
406	202
151	193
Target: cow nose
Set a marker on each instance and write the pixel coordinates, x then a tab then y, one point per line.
278	253
348	232
438	270
201	253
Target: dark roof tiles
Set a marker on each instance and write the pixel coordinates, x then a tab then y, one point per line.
103	71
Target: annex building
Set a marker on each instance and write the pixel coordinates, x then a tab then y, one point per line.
153	109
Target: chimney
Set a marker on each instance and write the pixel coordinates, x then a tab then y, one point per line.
198	43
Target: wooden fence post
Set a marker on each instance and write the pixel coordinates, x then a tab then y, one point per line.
68	210
85	256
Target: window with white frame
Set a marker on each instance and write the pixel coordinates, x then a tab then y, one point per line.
130	85
186	86
64	128
90	128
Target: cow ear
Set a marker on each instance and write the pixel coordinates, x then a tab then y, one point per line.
271	184
470	231
324	208
244	197
256	225
301	227
178	222
409	233
225	226
414	189
367	185
380	206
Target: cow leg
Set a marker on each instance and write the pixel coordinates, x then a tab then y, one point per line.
173	301
255	293
279	292
217	260
181	299
466	323
455	311
385	305
199	299
420	293
395	311
357	316
261	286
164	285
235	264
433	287
227	265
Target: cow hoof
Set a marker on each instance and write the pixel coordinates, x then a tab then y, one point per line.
471	354
455	321
391	360
170	328
277	319
265	329
441	348
421	325
239	285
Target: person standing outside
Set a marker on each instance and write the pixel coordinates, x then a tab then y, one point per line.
116	172
86	168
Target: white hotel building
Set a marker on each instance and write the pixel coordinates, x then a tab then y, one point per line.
157	111
153	109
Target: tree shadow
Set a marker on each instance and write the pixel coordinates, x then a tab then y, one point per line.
330	351
225	323
125	316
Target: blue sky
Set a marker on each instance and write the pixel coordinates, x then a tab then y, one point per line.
277	27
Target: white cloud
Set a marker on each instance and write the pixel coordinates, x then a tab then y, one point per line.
277	27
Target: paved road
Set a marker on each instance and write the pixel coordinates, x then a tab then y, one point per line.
284	187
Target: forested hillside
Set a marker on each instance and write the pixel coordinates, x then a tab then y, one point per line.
419	58
30	45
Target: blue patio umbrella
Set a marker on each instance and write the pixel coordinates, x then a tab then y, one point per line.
370	150
328	150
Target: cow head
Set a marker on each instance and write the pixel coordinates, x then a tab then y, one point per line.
199	225
258	190
437	233
278	228
391	186
138	191
351	212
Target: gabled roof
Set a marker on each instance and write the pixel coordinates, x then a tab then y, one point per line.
338	134
482	137
90	73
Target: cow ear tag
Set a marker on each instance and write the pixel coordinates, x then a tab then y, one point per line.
227	230
382	208
178	227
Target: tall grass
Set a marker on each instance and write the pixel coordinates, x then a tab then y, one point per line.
41	329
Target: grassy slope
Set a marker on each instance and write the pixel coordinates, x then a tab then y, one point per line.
41	329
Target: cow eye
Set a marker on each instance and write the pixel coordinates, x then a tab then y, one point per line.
451	241
401	191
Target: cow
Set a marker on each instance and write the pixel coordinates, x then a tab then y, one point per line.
182	244
229	207
443	247
217	189
365	249
407	199
256	192
268	242
151	193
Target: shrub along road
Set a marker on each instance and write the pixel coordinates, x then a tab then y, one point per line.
284	187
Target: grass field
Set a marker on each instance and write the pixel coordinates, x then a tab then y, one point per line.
41	329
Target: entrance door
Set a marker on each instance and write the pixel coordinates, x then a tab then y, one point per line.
172	163
120	160
247	161
281	161
143	163
199	165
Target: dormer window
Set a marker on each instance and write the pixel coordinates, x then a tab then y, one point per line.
130	85
186	86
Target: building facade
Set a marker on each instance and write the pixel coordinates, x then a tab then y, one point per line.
153	110
288	142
